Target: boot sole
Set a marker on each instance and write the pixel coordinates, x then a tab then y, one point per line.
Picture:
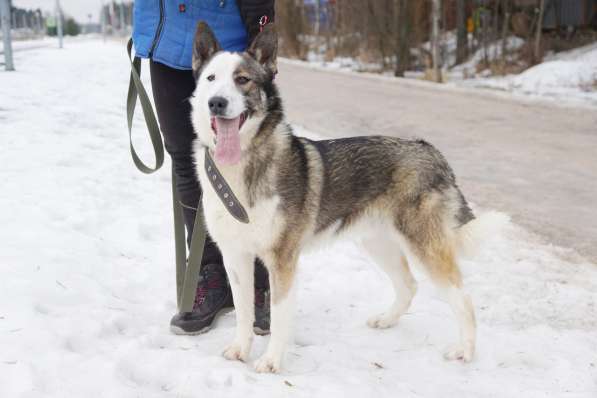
260	332
180	332
177	330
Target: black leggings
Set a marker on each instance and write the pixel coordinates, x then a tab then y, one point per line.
171	91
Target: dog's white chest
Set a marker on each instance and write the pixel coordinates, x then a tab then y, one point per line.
222	225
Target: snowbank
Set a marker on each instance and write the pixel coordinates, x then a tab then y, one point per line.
557	74
566	76
87	285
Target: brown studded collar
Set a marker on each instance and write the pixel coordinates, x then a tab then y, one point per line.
223	190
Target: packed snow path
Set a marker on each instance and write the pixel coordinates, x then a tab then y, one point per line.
87	286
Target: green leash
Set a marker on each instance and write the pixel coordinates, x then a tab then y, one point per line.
187	271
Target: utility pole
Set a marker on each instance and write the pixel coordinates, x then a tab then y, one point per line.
435	16
59	23
122	23
5	19
40	25
103	21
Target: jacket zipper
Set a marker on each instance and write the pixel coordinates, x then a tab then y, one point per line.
158	33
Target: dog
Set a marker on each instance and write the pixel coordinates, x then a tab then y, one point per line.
399	196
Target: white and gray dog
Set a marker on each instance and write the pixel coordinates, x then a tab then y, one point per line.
399	195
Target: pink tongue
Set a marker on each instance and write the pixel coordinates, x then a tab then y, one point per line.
228	141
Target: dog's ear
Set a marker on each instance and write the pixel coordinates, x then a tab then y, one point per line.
205	46
264	48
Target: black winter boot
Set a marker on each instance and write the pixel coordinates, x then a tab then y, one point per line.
213	299
262	311
262	299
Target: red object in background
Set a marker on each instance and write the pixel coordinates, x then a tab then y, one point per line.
182	7
262	22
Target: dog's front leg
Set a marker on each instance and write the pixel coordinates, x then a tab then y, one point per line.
239	267
281	279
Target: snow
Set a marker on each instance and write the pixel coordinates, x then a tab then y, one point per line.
570	75
88	278
494	51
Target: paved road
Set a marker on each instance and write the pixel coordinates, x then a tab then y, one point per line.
537	162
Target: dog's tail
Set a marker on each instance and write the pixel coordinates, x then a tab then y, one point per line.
471	237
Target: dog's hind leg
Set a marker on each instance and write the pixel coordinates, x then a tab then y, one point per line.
281	278
462	306
439	260
239	267
386	253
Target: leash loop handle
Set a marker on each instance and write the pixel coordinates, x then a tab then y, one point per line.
136	89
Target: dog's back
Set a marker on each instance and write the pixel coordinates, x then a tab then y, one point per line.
360	173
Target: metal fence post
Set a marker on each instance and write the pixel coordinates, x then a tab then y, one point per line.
5	19
103	21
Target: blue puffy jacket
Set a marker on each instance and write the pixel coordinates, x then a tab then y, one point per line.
164	30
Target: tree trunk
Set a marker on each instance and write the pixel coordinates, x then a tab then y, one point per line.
485	17
404	22
505	26
462	34
495	34
537	52
435	16
317	18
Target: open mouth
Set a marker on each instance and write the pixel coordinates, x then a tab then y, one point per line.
241	120
228	150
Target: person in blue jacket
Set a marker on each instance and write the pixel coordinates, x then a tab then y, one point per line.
163	32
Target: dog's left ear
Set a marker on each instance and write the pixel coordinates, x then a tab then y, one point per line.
205	46
264	48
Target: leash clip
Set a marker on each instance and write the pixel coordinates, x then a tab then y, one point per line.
264	20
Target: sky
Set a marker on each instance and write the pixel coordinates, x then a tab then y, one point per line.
78	9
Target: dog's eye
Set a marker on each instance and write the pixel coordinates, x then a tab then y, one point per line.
241	80
211	78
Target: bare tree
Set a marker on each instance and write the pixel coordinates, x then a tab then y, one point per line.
403	40
505	27
375	32
537	52
317	27
461	31
290	32
435	18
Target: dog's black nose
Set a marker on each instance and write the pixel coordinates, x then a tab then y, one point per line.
217	105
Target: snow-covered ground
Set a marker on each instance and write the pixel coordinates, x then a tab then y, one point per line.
23	45
87	287
569	75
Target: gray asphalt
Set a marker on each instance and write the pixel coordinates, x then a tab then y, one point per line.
534	161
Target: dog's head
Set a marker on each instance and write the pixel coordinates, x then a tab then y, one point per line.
233	91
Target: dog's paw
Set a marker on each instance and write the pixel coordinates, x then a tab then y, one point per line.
236	352
267	364
382	321
460	352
